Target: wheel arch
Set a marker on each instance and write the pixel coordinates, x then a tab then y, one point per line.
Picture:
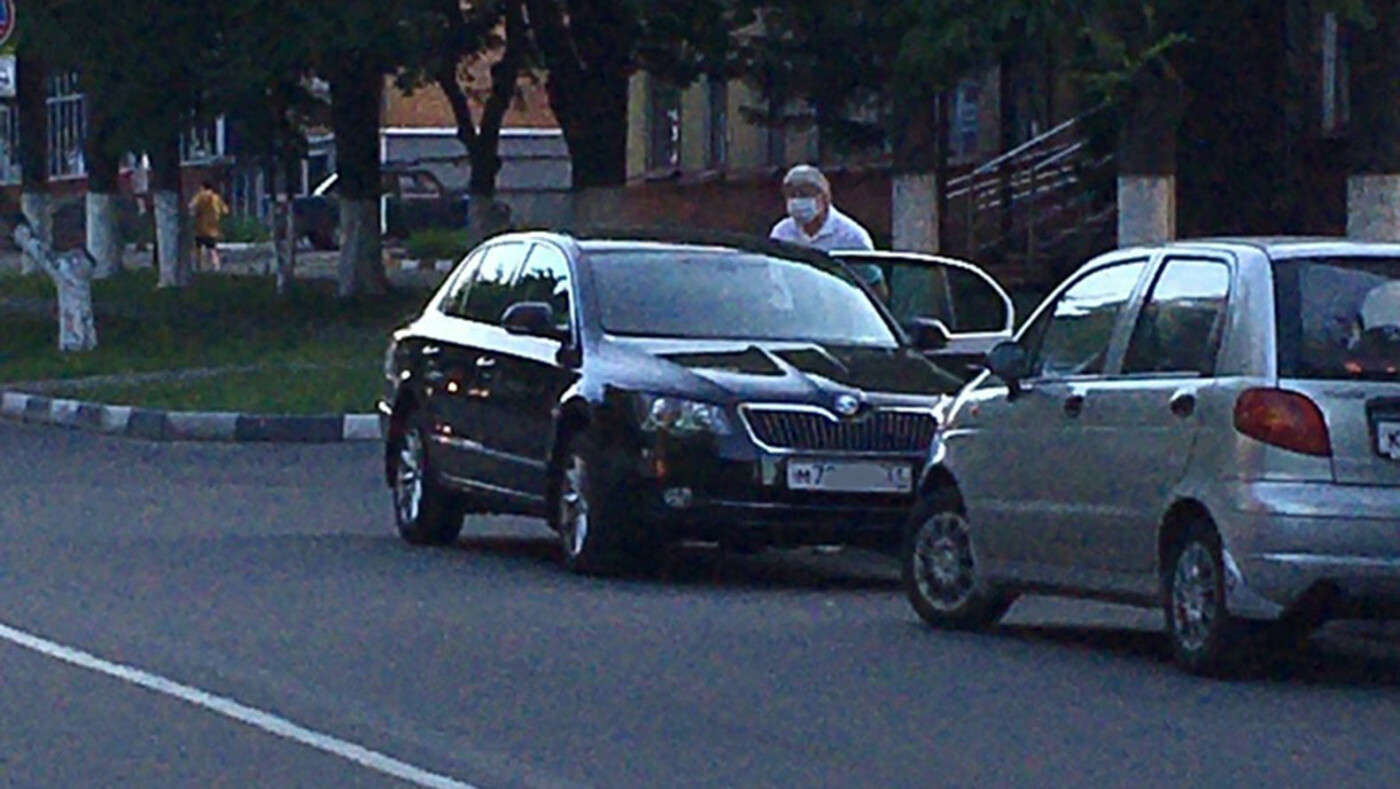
1179	516
938	477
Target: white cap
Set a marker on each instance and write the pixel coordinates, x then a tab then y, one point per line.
807	175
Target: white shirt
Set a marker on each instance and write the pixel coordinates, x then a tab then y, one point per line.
838	232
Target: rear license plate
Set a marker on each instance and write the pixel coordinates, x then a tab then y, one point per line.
1388	439
850	476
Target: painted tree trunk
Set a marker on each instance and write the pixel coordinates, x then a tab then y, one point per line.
173	271
1373	189
104	237
72	274
919	147
1146	209
32	101
284	239
356	89
37	208
915	218
361	271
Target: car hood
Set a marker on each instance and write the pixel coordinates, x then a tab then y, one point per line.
781	371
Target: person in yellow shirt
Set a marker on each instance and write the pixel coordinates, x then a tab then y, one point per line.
208	209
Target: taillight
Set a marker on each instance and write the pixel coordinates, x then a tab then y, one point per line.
1284	419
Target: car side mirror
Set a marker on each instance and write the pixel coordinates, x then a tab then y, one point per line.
930	334
532	319
1008	361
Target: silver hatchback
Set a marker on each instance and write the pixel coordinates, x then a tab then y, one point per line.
1212	427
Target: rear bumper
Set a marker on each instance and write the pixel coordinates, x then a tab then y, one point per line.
1290	545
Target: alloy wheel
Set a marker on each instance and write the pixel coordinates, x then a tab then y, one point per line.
944	567
573	506
1195	599
408	478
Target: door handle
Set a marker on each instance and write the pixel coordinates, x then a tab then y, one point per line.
1074	405
431	350
486	363
1183	404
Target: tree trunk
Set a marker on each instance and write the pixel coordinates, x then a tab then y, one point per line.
284	235
35	202
1147	158
915	220
361	272
104	239
587	57
356	89
72	278
172	244
1373	191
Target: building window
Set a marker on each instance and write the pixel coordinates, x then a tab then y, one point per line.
717	124
203	143
664	121
1336	77
67	127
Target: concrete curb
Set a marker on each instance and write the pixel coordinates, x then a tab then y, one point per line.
153	425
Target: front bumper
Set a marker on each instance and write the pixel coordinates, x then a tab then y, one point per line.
1290	545
731	491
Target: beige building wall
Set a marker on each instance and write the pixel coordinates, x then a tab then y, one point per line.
695	117
748	142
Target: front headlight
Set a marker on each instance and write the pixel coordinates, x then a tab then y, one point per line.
682	417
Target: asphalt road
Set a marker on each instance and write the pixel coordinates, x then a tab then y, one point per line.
240	615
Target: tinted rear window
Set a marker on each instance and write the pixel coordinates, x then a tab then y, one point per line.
1338	317
719	294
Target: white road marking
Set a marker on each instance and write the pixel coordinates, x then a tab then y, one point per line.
229	708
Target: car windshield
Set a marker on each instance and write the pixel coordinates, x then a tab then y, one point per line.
724	294
1339	317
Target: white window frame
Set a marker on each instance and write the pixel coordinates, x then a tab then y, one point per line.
67	128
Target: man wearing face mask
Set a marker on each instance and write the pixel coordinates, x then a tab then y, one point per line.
813	221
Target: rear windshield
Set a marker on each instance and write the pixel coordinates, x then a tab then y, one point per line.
1339	317
717	294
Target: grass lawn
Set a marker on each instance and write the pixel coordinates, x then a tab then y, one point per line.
328	389
315	353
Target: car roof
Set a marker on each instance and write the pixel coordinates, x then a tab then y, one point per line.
669	239
1285	247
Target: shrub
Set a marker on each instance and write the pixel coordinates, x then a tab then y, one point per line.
244	229
438	244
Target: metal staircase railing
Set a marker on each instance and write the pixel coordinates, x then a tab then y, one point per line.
1033	206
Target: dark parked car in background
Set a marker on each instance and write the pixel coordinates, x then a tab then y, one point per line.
637	392
412	200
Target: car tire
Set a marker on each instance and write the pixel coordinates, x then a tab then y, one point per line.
1205	639
425	512
939	565
593	539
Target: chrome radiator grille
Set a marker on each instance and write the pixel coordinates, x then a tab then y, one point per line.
816	431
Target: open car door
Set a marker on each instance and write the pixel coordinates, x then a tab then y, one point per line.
971	306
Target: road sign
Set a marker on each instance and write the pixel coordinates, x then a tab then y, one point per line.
7	21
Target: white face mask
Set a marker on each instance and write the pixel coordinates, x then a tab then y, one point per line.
803	209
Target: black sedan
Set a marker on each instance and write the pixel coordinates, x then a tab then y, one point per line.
636	392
